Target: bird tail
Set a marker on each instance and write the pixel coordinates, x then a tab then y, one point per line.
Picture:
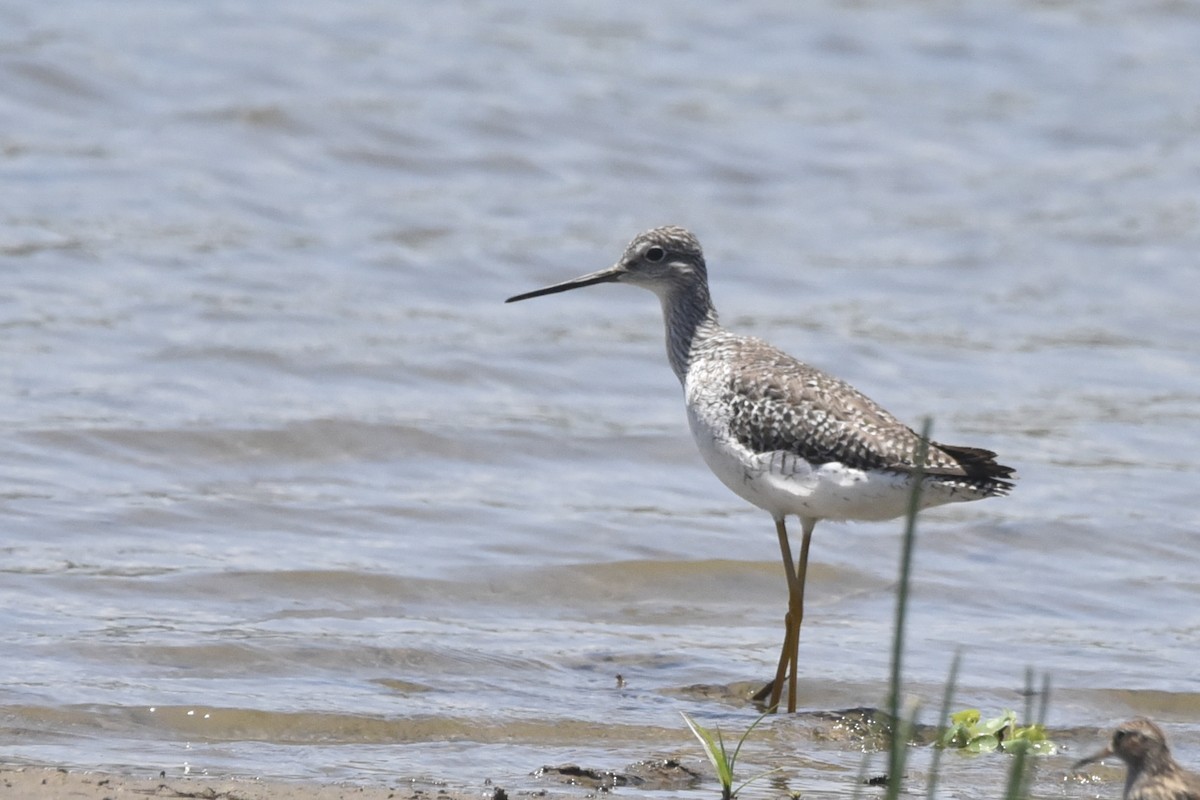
980	467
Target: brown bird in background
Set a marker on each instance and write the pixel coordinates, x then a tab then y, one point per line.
1152	774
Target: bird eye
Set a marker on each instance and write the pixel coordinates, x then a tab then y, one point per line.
655	254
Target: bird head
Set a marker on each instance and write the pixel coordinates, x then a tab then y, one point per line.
661	260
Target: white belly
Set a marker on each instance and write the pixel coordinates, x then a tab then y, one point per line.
782	483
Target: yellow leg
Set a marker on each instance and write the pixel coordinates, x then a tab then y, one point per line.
790	652
796	606
775	687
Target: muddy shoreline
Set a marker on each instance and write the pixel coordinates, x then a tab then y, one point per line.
41	783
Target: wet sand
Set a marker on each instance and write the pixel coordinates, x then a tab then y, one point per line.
42	783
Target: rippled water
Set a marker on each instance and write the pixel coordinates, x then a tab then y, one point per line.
288	491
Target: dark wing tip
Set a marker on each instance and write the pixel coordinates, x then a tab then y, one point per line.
980	466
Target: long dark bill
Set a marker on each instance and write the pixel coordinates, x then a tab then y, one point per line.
1103	754
603	276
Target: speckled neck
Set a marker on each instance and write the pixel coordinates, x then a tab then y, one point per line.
689	314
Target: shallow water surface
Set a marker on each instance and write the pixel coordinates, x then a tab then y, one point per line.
289	491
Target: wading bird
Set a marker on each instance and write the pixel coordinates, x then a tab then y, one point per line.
782	435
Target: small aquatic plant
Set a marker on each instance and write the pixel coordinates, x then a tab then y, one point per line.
970	732
722	760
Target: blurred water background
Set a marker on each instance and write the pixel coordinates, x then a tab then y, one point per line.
288	491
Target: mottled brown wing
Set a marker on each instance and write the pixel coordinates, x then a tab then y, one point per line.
779	403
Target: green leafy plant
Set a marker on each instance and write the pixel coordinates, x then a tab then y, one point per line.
970	732
722	760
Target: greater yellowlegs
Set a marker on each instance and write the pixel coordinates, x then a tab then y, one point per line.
1152	773
783	435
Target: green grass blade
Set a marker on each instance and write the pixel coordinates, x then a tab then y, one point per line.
899	746
1020	774
1016	776
1044	700
757	777
742	741
715	750
947	703
1028	695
